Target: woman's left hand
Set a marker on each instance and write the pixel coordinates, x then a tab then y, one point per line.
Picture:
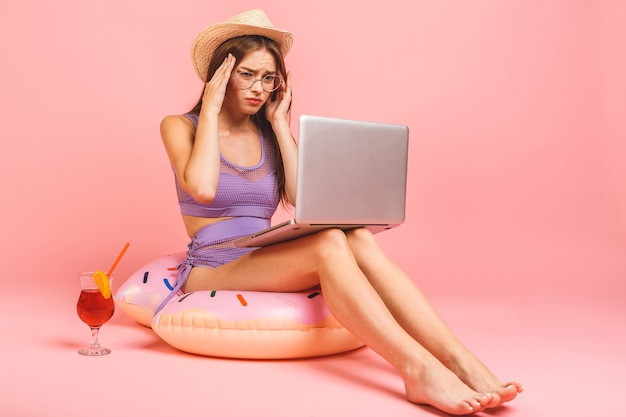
277	108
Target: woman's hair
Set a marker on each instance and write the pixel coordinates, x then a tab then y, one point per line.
240	47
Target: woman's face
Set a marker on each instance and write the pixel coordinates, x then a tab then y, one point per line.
259	63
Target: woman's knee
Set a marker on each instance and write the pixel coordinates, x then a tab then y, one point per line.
360	236
337	240
330	242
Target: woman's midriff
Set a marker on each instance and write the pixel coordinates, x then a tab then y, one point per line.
193	223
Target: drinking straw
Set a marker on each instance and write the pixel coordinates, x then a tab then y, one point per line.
117	261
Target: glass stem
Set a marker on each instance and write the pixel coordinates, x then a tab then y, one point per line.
94	337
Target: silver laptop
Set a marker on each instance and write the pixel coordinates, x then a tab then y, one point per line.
350	174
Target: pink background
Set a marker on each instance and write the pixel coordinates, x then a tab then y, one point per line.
517	113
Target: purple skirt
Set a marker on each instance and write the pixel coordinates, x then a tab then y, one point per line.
213	246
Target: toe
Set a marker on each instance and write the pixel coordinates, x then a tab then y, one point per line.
494	400
487	400
508	392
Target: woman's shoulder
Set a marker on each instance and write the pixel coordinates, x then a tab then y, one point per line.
177	122
188	119
176	126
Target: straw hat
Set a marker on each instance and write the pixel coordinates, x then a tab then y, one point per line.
251	22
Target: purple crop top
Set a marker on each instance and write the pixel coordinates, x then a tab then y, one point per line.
241	191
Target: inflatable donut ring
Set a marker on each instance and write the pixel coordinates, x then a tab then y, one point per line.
234	324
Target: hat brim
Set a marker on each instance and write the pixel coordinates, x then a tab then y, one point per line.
211	38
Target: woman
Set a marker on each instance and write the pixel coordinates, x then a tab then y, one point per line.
234	159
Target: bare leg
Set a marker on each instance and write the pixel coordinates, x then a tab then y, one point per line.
416	315
326	258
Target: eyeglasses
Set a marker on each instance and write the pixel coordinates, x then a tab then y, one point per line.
246	80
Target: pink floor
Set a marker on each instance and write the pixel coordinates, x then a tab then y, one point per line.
568	352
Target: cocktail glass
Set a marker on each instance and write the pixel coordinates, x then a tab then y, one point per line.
95	310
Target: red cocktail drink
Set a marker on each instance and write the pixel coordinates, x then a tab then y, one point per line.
93	308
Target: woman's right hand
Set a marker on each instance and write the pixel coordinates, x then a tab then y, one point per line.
215	88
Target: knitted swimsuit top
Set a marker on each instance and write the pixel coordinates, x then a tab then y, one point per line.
241	191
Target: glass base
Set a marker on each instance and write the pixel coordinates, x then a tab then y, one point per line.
100	351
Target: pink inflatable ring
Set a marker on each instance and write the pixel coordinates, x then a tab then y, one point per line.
234	324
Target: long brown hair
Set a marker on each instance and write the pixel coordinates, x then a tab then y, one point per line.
240	47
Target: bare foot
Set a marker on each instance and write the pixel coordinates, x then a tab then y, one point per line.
505	392
439	387
478	377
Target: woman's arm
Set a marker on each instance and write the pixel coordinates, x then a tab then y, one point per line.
194	153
